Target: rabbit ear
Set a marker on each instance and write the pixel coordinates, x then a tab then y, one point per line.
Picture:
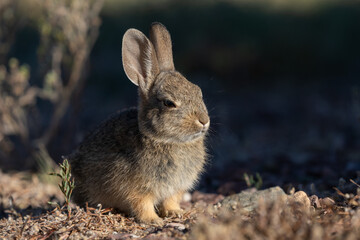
161	39
139	59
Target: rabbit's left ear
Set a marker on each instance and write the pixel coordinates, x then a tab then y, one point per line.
160	38
139	59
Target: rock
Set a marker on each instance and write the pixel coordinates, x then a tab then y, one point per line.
179	226
299	202
302	198
315	201
186	197
327	202
248	201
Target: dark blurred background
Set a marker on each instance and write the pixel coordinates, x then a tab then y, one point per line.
281	80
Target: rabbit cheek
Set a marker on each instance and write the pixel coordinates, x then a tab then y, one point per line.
167	126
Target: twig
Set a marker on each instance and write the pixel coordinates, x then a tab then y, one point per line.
24	225
355	183
339	192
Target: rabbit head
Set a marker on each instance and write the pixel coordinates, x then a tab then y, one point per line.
171	109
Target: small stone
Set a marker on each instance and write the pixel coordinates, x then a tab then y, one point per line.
120	236
178	226
314	201
302	198
186	197
327	202
233	205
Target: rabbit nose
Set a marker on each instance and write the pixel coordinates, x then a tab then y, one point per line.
206	125
204	121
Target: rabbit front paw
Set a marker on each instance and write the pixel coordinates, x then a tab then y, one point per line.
143	207
170	207
156	220
171	212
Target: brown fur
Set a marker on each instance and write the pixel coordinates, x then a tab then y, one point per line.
171	206
143	159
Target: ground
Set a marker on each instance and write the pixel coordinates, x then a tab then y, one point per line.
26	214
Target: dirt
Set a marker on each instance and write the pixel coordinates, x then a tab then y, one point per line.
26	214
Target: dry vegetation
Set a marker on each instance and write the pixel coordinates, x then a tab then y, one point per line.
26	214
67	32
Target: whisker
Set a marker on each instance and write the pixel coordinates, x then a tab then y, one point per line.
212	109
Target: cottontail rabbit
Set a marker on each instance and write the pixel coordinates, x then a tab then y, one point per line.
144	159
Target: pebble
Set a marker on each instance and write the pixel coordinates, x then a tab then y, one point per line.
301	197
178	226
186	197
328	202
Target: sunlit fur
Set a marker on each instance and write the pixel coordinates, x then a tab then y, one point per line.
143	159
178	124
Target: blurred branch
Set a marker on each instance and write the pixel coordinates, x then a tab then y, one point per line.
79	23
68	30
16	96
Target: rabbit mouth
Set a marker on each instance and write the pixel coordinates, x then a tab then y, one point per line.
194	136
198	134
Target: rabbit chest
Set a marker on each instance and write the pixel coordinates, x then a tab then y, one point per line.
169	169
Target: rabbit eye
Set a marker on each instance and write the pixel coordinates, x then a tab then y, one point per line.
169	104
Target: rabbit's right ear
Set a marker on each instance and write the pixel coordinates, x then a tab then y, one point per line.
160	37
139	59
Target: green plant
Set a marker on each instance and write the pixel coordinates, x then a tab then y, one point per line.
67	184
252	182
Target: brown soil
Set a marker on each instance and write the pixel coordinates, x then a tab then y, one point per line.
26	214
